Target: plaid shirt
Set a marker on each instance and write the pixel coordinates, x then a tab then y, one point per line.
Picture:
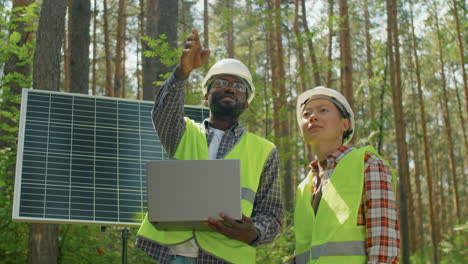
267	215
378	211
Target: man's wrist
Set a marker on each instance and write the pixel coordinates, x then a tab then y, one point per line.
180	74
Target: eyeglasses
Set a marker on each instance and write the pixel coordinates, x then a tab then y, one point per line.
238	86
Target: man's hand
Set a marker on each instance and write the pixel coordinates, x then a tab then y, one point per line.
243	231
193	56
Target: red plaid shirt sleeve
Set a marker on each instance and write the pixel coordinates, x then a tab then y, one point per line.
378	212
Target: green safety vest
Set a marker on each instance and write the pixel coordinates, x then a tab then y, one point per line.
332	235
253	152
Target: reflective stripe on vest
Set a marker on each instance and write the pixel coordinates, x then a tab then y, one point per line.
248	194
345	248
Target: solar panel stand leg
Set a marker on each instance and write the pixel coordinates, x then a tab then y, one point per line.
125	235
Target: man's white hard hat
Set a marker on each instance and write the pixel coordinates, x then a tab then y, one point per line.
333	96
230	67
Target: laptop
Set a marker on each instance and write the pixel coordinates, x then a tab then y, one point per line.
183	194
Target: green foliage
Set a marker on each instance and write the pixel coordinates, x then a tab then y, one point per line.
453	248
281	249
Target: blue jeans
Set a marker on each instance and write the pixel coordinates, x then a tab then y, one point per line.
171	259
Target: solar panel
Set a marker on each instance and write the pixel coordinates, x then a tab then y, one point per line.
82	159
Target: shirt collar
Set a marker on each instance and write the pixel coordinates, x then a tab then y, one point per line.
333	158
236	128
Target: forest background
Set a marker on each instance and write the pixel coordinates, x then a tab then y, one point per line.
401	64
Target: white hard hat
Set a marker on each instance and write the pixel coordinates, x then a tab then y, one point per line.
230	67
333	96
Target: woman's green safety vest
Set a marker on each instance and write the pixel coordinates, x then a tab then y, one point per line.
253	152
332	235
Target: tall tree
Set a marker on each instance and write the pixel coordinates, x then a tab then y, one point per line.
118	73
426	150
346	54
229	20
79	46
43	238
310	44
94	62
397	99
206	22
446	116
142	48
370	74
460	51
108	87
330	42
300	48
162	17
66	49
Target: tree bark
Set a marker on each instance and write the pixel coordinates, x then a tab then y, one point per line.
206	35
300	48
397	99
446	117
118	73
460	52
310	44
66	49
426	151
43	240
142	50
161	18
93	85
109	91
79	46
369	67
346	54
229	28
330	42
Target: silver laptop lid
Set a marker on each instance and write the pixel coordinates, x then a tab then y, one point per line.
182	194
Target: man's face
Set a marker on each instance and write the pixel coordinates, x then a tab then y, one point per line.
227	97
322	122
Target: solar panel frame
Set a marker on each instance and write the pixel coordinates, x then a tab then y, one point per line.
43	152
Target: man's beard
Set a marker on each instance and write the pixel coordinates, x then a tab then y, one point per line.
225	112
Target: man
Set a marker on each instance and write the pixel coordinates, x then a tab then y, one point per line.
345	208
229	90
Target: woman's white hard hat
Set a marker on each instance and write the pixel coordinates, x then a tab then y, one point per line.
333	96
230	67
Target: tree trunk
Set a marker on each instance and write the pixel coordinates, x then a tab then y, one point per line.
369	68
282	130
206	21
43	240
142	49
66	49
79	46
95	12
109	90
446	117
161	18
426	151
346	58
397	99
330	42
460	51
310	44
118	73
462	119
229	28
299	47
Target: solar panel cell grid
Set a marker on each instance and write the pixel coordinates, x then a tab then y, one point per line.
82	159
